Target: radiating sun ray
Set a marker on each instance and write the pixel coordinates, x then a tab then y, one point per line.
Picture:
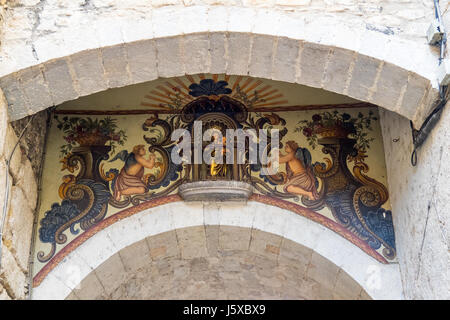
175	92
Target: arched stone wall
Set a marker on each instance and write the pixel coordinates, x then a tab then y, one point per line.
380	281
219	262
132	46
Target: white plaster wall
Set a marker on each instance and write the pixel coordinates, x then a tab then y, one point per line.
380	281
370	50
420	199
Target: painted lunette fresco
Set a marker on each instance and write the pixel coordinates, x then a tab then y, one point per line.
100	165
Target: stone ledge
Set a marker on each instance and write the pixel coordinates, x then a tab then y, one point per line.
215	191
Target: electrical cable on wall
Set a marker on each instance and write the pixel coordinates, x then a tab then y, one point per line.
419	136
7	188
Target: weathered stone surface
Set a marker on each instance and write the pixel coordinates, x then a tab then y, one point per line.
17	101
60	82
27	182
196	53
11	276
322	271
363	77
115	64
234	238
89	72
285	61
111	272
3	120
90	288
293	252
33	141
338	68
232	274
19	226
164	245
142	60
265	244
192	242
421	228
238	53
135	256
261	58
346	288
313	61
218	48
3	294
35	88
392	86
169	53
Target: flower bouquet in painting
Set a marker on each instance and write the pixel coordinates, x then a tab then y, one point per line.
88	132
337	125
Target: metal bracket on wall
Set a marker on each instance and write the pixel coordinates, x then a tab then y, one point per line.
419	136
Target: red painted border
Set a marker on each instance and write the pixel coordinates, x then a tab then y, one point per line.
310	214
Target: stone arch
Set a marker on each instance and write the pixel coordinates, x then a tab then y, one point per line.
380	281
219	262
393	73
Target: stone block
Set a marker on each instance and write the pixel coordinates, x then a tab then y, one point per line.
142	60
414	95
292	252
285	61
218	50
35	88
266	244
89	72
260	64
169	55
19	225
192	242
364	296
212	239
363	77
16	159
90	288
116	66
234	238
60	82
3	120
3	173
338	69
72	296
346	288
196	56
11	276
111	273
17	103
136	256
313	61
322	271
163	245
238	53
27	182
390	86
3	294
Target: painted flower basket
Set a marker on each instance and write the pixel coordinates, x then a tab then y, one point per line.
85	132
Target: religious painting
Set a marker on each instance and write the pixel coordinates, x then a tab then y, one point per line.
101	160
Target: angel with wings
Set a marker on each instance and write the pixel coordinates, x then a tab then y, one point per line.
130	179
300	177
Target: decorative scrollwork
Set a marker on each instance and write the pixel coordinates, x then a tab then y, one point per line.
85	202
